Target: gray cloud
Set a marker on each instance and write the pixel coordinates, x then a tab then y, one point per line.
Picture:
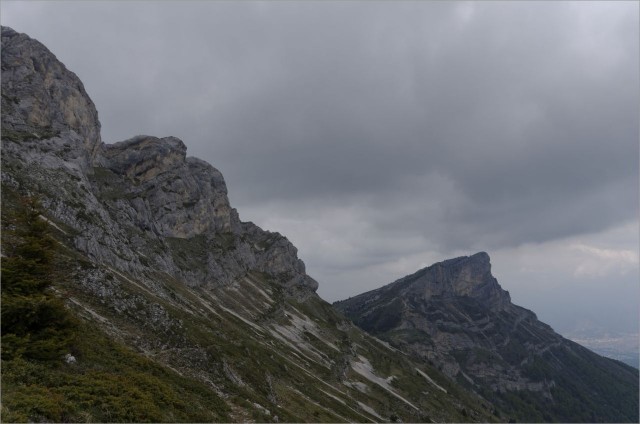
426	127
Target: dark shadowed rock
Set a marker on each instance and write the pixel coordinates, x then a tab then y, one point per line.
455	315
465	276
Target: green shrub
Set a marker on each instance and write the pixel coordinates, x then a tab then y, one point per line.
35	323
108	383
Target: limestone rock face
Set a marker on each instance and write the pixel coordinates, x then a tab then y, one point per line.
140	205
44	103
176	196
465	276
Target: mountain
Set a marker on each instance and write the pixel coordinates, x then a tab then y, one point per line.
455	316
132	291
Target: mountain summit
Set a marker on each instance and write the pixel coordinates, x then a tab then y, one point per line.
455	315
464	276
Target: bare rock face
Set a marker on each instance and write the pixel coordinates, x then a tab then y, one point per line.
43	103
176	196
465	276
140	205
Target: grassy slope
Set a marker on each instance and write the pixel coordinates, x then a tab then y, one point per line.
215	351
109	382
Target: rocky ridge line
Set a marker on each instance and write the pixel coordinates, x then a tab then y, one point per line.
49	120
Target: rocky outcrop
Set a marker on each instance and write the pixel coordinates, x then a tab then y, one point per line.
465	276
44	105
142	195
168	193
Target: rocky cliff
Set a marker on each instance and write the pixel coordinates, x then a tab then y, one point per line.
455	315
152	257
128	197
42	100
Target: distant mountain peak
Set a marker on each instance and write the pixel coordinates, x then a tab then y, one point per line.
466	276
454	314
479	258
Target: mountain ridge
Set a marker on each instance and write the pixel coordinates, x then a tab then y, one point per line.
456	316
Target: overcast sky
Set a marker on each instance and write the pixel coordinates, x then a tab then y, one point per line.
380	137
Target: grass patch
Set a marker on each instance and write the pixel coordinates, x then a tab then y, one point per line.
109	382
